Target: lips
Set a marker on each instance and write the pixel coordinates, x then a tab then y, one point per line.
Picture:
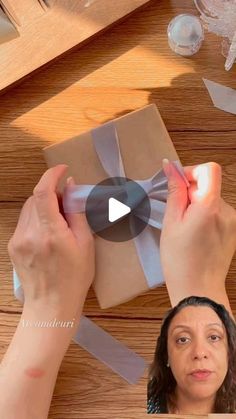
201	374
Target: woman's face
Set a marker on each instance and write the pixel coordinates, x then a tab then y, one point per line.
197	340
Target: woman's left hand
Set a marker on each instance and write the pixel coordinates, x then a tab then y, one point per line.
53	256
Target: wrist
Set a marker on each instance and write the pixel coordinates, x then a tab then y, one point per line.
213	289
47	308
34	348
54	324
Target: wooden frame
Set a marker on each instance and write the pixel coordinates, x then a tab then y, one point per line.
47	32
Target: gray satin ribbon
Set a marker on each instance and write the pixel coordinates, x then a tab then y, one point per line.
106	144
89	336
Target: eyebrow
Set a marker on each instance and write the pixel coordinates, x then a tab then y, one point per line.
187	327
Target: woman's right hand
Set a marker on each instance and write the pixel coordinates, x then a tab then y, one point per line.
198	238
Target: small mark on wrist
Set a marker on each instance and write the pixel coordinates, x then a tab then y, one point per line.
34	372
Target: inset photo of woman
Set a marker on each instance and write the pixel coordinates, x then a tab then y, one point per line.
194	364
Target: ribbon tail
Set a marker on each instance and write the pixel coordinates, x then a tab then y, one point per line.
106	143
18	291
110	351
148	250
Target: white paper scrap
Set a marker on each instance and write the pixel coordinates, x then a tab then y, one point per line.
223	97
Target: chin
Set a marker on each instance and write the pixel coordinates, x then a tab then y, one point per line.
203	391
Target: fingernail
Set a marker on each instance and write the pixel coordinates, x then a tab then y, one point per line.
166	167
70	181
165	162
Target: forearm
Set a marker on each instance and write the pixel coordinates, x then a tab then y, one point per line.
29	369
178	291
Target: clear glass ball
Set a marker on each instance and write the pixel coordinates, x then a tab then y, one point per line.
185	34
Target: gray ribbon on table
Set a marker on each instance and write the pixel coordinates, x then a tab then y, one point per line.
106	143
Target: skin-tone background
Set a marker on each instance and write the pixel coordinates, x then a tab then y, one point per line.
86	88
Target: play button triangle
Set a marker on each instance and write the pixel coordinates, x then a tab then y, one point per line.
116	209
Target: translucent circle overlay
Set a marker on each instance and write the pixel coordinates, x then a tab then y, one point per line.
129	193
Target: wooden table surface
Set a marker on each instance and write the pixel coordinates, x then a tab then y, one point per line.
124	69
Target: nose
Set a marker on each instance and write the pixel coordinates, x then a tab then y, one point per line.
200	350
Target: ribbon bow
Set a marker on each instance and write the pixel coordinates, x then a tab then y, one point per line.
106	143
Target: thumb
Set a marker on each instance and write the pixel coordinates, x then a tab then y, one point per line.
77	221
206	182
177	200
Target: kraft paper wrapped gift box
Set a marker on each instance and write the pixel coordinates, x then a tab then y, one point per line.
144	142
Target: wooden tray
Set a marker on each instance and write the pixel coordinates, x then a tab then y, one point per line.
47	32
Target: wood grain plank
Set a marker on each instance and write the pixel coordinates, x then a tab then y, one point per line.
77	110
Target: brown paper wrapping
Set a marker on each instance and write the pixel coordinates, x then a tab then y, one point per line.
144	142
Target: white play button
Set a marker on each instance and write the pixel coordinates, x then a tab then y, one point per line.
113	213
116	210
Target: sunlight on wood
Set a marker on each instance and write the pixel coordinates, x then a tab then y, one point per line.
140	66
76	110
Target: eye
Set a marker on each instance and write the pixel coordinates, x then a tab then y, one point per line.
181	340
216	338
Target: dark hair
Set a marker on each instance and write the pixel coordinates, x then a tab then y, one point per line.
161	380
